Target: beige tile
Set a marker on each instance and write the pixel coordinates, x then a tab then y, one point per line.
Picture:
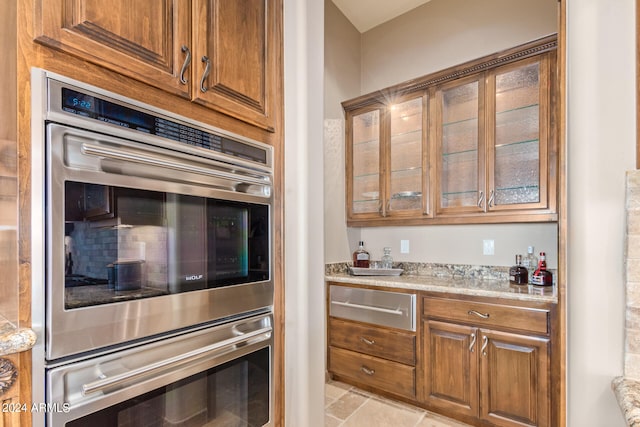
633	270
335	389
346	405
433	420
633	296
330	421
377	413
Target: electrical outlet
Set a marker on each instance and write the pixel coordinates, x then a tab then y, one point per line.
404	246
488	247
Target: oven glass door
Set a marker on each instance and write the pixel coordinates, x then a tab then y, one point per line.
220	376
234	394
123	243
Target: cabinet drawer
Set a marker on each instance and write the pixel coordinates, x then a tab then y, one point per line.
486	314
384	343
383	374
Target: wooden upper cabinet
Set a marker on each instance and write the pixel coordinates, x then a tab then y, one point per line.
235	45
142	39
224	55
474	143
387	160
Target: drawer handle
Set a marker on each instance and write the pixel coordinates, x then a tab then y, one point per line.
367	341
477	313
367	371
368	307
473	342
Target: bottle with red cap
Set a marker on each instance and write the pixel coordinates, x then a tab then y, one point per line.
542	277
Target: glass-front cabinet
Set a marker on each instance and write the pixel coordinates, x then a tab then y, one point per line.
386	161
472	144
460	152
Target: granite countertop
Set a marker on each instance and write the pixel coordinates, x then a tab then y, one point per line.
627	392
14	339
464	280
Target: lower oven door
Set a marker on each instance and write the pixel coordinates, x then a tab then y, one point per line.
215	376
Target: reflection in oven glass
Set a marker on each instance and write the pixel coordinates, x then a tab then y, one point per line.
235	394
148	243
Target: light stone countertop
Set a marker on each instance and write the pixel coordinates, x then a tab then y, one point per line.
14	339
627	392
463	280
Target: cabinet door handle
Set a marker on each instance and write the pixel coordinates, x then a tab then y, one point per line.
367	341
491	198
367	371
187	61
477	313
480	199
485	342
207	69
473	342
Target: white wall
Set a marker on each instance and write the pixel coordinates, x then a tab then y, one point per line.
304	267
601	137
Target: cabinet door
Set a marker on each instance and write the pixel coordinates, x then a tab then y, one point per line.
364	173
460	134
141	39
514	379
407	158
518	159
451	367
237	57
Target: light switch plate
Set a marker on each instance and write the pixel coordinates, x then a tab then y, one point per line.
404	246
488	247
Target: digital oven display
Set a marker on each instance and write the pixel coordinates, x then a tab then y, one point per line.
90	106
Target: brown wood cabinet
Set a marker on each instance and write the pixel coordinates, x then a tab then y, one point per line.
387	160
474	143
474	369
220	54
373	356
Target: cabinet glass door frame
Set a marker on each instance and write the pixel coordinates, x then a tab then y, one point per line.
543	139
402	201
441	122
373	197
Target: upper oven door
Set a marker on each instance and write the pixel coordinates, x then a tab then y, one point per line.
143	240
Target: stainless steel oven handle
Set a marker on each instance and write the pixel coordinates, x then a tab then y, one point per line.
104	383
368	307
122	154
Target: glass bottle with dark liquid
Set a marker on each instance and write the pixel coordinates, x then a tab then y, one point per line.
518	274
361	256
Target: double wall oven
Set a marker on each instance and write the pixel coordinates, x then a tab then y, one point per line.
152	255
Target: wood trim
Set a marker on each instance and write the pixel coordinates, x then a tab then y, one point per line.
485	63
559	335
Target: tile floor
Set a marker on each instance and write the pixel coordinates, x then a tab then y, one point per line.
347	406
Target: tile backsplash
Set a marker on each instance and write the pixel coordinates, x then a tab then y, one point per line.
632	274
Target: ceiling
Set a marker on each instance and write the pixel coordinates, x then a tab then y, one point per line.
366	14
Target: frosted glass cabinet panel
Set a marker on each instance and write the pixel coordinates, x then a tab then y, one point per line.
406	155
518	152
461	155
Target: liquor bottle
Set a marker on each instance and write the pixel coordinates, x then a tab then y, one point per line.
387	260
518	274
361	256
530	262
542	277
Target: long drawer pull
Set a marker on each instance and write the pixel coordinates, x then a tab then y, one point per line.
367	371
367	341
368	307
477	313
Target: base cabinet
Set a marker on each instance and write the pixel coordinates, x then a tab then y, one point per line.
483	374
